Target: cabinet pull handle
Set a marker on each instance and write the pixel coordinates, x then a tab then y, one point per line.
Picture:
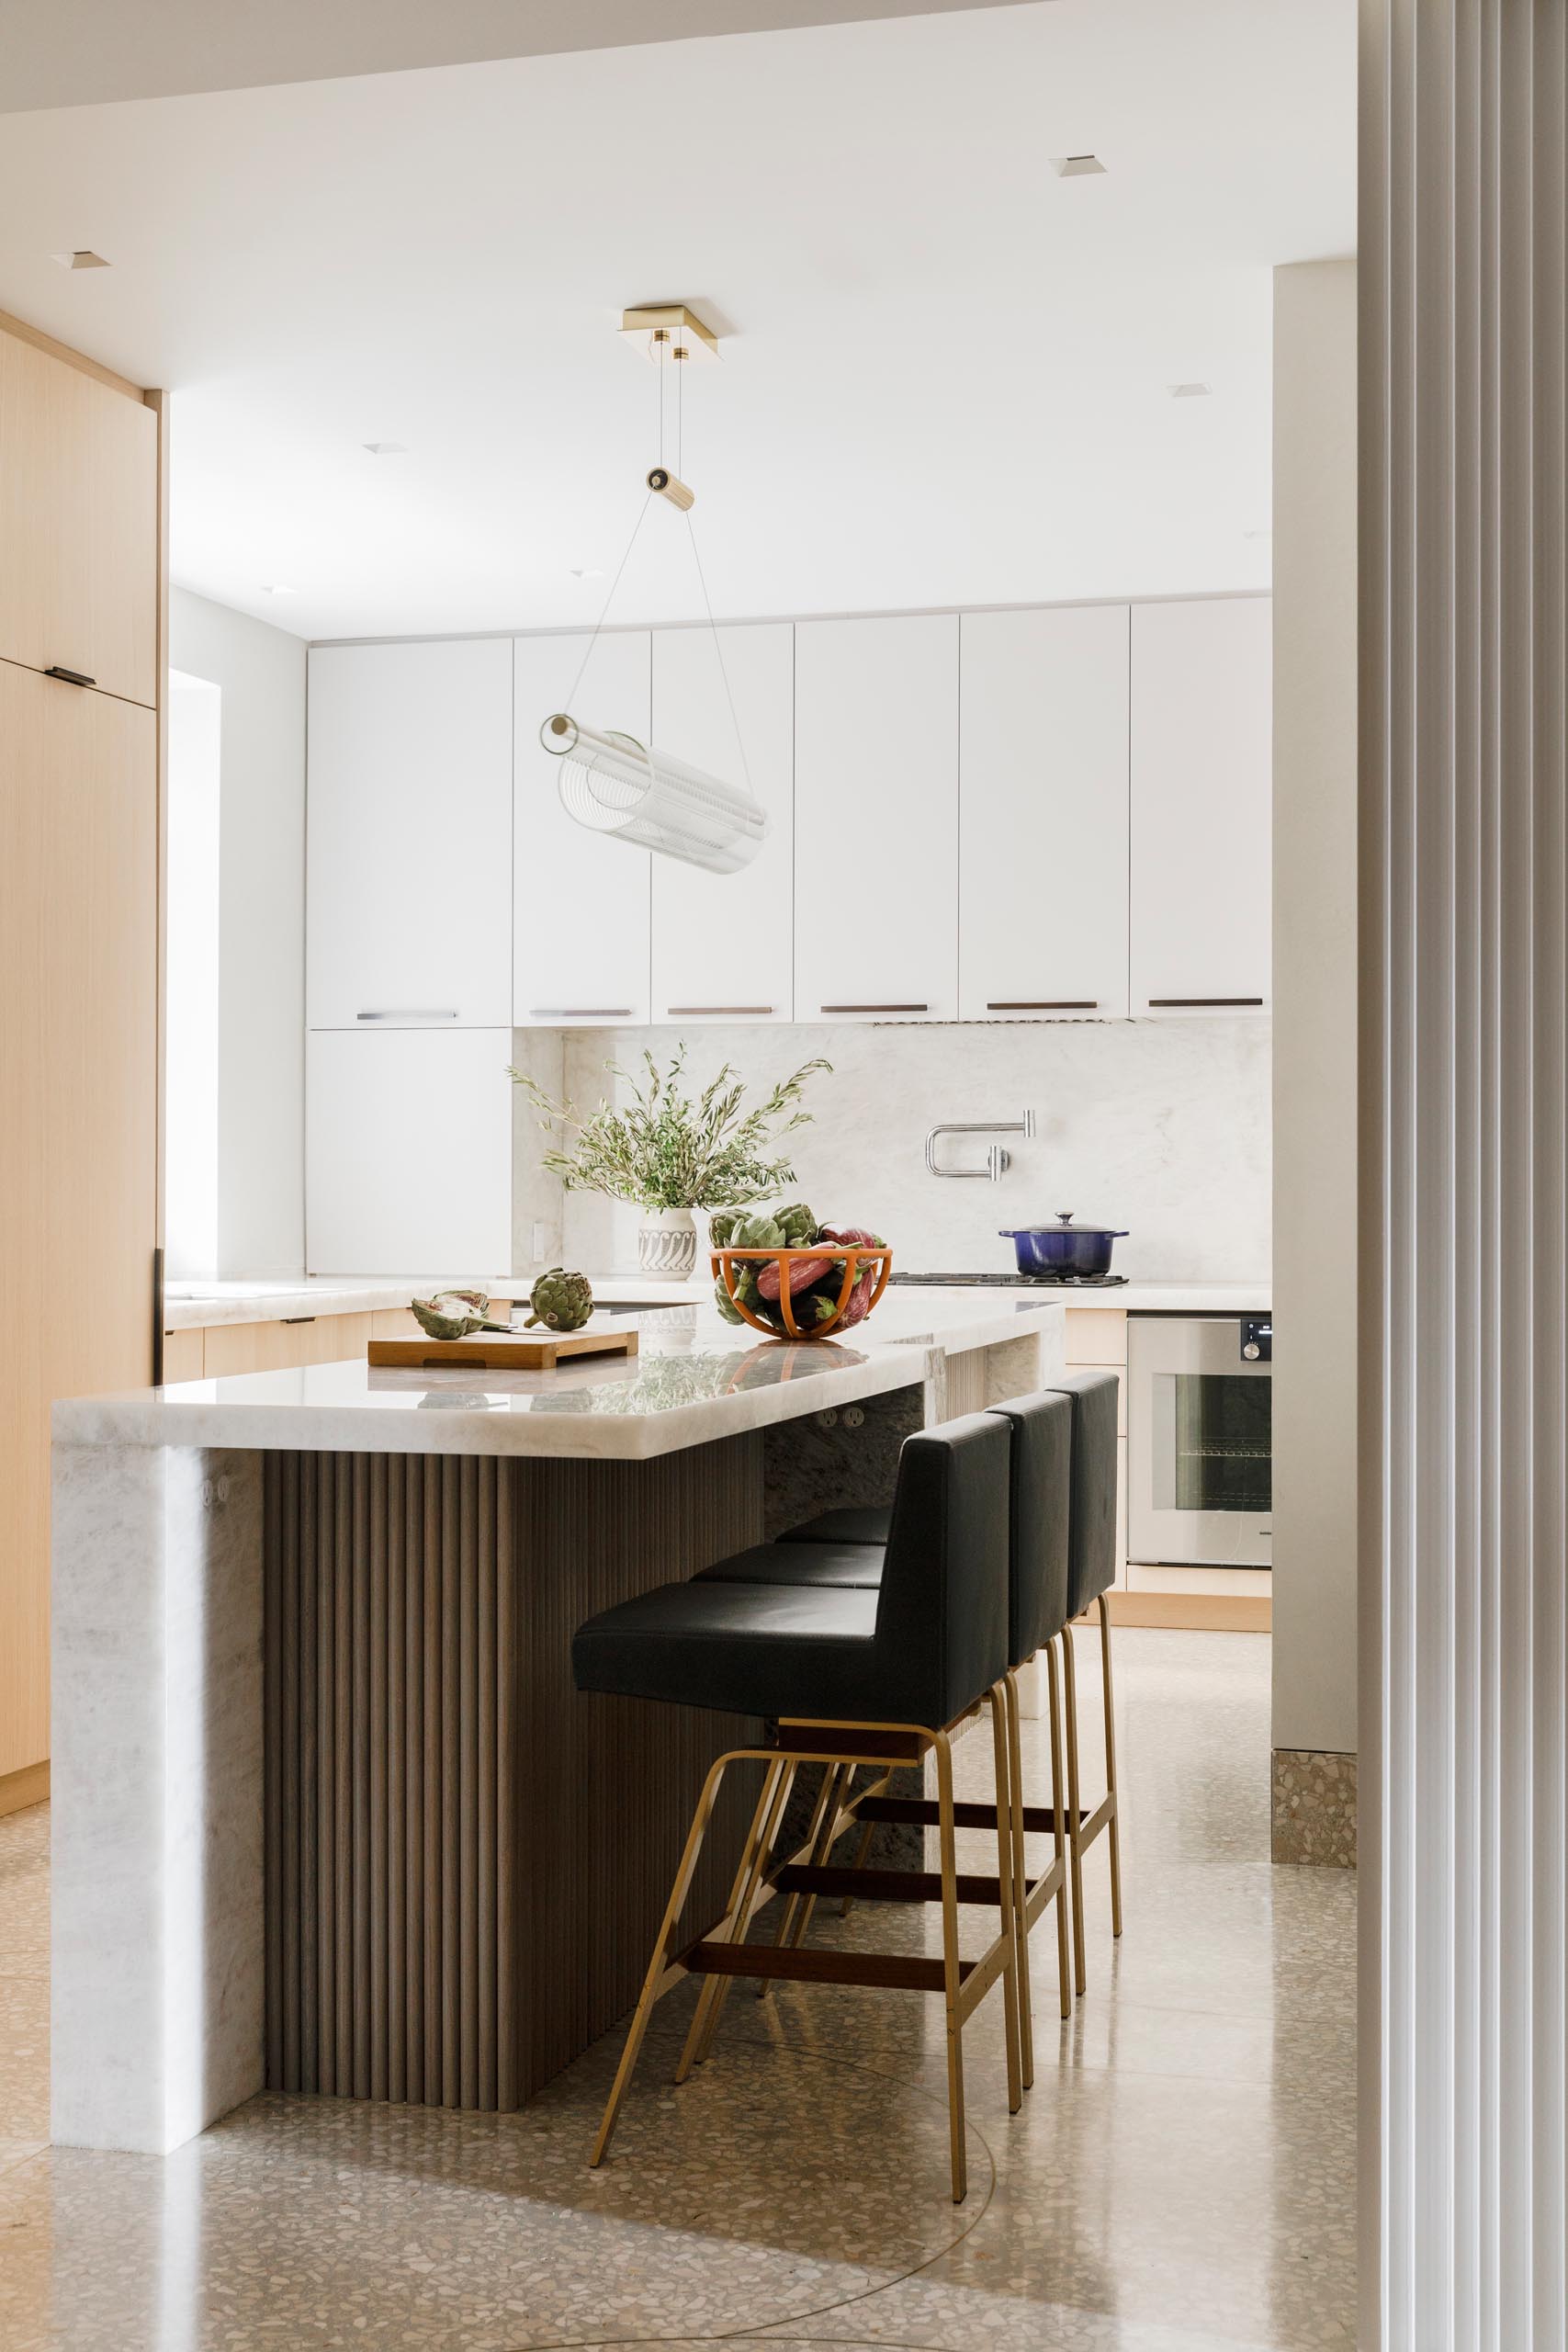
874	1008
1047	1005
1202	1003
296	1319
692	1012
580	1012
71	677
413	1013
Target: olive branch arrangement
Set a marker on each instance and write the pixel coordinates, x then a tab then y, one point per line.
666	1150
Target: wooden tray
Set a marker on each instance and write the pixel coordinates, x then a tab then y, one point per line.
506	1350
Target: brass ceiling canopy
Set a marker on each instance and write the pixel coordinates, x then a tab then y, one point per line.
670	330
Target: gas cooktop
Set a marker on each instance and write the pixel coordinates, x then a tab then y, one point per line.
1012	1282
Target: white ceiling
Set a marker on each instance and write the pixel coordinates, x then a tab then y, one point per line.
945	377
81	52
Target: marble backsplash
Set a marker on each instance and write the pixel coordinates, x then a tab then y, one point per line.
1159	1126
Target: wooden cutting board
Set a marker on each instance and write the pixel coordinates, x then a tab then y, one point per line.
506	1350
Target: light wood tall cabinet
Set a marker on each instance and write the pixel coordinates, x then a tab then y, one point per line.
80	563
78	521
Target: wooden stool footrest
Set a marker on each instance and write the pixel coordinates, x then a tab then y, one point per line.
1037	1818
880	1886
898	1970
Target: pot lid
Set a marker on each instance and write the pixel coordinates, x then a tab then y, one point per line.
1065	1224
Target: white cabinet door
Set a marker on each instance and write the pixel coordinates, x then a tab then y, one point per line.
409	820
1043	813
876	819
407	1153
722	944
580	902
1202	819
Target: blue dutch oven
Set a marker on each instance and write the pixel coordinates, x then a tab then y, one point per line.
1063	1248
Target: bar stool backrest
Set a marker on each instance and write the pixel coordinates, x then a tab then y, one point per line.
1039	1517
1091	1535
942	1609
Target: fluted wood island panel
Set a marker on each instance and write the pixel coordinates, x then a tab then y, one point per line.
463	1854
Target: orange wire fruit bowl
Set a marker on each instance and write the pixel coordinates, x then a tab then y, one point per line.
828	1286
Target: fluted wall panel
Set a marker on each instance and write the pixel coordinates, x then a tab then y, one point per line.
1464	926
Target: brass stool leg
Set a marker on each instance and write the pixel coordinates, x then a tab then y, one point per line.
1020	1879
824	1846
862	1851
1114	1826
949	1967
819	1812
660	1960
1007	1854
1058	1801
753	1855
1075	1840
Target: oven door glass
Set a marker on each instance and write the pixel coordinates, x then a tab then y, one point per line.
1214	1447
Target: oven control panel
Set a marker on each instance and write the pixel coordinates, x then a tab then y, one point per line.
1258	1338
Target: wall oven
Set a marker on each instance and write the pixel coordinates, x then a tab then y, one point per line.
1199	1441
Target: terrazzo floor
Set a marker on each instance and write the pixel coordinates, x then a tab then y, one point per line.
1180	2178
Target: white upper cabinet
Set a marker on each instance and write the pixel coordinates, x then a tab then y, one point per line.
1202	756
1043	814
407	1153
722	944
876	819
581	903
410	835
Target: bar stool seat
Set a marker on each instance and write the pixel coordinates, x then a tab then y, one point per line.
856	1566
752	1648
854	1523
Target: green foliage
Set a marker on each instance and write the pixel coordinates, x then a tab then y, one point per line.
669	1151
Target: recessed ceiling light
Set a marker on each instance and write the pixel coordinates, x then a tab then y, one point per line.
1075	167
79	260
1189	392
277	588
385	448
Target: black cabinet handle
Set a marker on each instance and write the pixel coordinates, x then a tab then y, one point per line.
1204	1003
71	677
1048	1004
874	1008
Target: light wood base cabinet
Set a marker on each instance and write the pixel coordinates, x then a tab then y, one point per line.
78	1095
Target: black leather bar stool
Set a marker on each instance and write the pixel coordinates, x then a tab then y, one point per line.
837	1547
843	1676
1091	1571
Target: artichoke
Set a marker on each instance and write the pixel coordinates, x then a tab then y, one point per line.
453	1314
561	1301
797	1225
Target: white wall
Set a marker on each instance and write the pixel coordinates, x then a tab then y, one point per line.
1160	1126
261	671
1314	1006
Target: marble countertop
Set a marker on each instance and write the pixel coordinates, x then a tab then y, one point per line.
696	1377
192	1306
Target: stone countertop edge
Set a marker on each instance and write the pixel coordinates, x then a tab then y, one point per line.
325	1294
192	1415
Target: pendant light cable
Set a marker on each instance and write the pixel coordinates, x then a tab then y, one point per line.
729	699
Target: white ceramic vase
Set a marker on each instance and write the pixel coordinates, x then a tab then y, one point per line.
667	1243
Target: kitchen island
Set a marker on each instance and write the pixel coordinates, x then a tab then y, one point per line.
329	1815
